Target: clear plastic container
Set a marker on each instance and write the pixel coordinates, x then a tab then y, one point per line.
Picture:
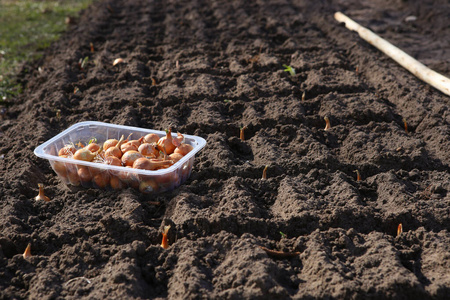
105	176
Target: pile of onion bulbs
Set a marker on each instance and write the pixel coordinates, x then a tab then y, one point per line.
150	152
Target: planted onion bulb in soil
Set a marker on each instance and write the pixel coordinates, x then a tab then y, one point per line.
165	241
27	253
41	195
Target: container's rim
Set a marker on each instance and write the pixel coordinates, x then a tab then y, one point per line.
39	151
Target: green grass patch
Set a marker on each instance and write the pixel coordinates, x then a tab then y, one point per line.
27	27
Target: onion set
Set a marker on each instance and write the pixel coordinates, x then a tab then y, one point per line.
150	152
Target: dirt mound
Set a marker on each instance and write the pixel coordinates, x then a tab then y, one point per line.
207	68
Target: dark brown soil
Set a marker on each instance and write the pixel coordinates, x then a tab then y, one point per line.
89	243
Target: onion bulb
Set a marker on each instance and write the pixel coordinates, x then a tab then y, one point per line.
129	157
151	138
165	241
148	186
128	146
101	180
115	150
93	147
85	174
67	150
183	149
41	195
27	253
109	143
150	164
166	142
84	154
175	157
116	183
148	149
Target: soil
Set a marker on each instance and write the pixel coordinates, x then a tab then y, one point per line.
206	68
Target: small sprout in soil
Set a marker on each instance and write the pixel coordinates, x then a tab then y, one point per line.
357	70
289	69
399	229
165	241
227	101
358	175
76	90
27	253
406	125
177	64
241	135
58	115
264	174
41	195
283	235
399	149
92	47
279	254
153	81
303	96
327	121
83	63
118	61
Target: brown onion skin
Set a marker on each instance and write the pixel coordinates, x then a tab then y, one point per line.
113	151
60	167
175	157
183	149
85	174
101	180
93	147
129	178
147	164
84	155
148	149
128	147
116	183
109	143
67	150
129	157
151	138
148	186
165	143
112	161
72	174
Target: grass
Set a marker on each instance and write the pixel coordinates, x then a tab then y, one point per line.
27	27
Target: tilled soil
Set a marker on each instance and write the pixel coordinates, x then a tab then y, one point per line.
208	68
